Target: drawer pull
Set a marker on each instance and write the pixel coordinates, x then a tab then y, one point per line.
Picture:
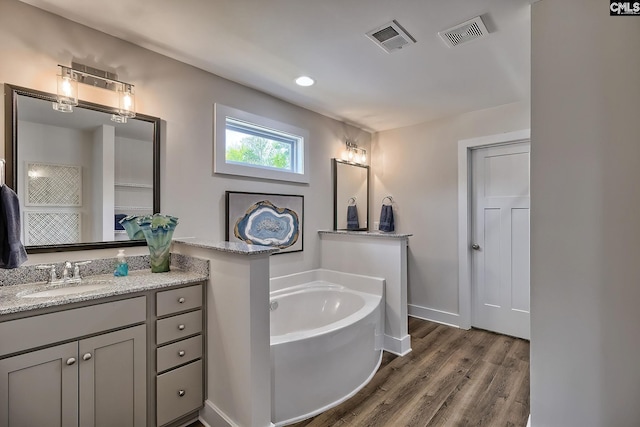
87	356
181	353
181	393
181	300
71	361
181	327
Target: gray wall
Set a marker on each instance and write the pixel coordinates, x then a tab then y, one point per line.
34	42
585	237
418	166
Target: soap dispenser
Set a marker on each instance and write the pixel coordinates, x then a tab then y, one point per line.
122	268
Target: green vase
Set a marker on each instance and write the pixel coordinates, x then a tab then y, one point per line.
158	231
130	224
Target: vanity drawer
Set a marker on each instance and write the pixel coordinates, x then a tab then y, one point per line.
179	392
176	327
30	332
178	353
176	300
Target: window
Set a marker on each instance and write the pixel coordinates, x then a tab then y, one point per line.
250	145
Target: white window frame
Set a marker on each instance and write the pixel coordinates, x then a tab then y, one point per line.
300	173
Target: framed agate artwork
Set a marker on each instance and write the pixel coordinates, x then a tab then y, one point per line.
265	219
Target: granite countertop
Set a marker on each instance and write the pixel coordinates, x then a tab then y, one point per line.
231	247
383	234
14	299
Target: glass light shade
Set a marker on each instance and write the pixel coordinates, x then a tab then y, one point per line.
118	119
63	108
67	92
127	102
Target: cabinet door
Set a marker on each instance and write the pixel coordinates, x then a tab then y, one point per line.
113	379
40	388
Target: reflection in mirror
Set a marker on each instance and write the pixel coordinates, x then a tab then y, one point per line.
76	174
350	196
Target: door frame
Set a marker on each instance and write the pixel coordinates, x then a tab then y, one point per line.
464	213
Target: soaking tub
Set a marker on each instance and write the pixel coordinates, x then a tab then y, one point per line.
326	340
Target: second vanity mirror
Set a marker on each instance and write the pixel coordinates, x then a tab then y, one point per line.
76	174
350	196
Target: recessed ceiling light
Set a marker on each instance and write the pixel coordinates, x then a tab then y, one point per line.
304	81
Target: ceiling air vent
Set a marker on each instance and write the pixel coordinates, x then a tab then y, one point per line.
462	33
391	37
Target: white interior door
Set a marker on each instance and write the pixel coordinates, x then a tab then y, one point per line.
500	239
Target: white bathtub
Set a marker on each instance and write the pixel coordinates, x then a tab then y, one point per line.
326	340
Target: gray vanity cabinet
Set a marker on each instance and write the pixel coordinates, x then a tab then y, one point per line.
179	353
97	379
113	379
40	388
94	382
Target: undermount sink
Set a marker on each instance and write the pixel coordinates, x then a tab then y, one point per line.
66	290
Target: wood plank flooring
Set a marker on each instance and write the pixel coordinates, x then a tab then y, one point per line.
451	378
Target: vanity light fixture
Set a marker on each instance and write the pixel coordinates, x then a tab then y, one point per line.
67	84
69	78
354	154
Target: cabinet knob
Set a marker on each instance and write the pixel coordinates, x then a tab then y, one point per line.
87	356
181	393
71	361
181	300
181	353
181	327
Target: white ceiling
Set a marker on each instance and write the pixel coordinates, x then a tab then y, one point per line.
266	44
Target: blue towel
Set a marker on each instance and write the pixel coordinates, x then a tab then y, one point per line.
386	219
352	218
118	218
12	253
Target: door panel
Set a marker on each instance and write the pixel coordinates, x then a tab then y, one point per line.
113	379
520	269
39	388
500	228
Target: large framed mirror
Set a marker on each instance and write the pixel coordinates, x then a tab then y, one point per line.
350	196
76	174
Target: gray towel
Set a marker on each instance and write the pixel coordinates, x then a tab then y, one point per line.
352	218
386	218
12	253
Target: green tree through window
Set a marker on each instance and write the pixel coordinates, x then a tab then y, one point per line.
256	150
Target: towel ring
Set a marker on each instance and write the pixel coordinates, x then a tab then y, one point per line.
352	201
387	197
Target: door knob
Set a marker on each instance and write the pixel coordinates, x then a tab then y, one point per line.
475	247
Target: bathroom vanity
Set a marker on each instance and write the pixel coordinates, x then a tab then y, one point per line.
127	352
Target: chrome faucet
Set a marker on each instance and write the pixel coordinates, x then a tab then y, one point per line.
65	271
52	271
68	275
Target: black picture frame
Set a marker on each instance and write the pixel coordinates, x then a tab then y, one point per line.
238	205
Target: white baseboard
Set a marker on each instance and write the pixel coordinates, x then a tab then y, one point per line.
439	316
397	346
529	421
212	416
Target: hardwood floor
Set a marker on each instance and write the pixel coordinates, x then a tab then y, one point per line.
452	378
